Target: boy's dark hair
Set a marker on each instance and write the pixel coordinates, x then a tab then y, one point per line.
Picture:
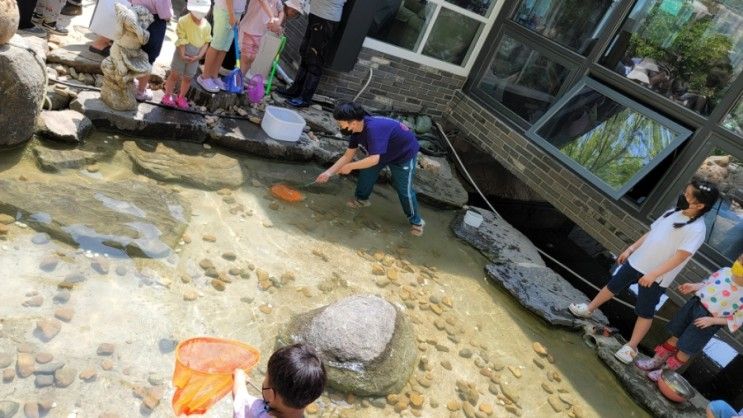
297	374
706	193
349	111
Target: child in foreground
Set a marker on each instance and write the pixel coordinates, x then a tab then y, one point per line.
717	302
194	35
294	379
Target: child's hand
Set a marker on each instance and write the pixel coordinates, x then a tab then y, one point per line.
687	288
233	20
323	177
647	280
705	322
623	257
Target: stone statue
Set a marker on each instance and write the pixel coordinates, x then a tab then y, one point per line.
8	20
126	61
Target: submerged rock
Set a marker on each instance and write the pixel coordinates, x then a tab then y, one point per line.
8	409
138	218
53	160
542	291
185	162
367	344
64	125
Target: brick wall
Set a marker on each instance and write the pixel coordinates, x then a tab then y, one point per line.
396	84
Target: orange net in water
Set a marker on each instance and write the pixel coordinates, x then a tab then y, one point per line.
286	193
203	371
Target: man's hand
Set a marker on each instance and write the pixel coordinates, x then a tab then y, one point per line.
704	322
346	169
323	177
687	288
647	280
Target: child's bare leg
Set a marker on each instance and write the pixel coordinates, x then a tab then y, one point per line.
142	86
601	298
218	63
100	42
672	341
171	82
185	85
642	326
211	58
683	357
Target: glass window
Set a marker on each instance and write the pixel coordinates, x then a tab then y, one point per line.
687	51
402	23
608	138
481	7
725	220
522	79
734	120
575	24
451	37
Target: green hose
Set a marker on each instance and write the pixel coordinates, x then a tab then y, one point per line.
275	64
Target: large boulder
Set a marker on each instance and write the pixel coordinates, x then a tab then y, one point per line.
64	125
77	56
8	20
185	162
366	343
132	217
22	86
437	183
246	136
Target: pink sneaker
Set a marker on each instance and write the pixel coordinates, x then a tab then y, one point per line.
182	103
168	101
144	96
662	353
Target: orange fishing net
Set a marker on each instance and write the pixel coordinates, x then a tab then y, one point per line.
203	371
286	193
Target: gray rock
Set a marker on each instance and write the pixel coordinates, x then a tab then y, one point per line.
542	291
53	160
64	125
44	380
642	389
496	239
319	120
436	183
77	56
184	162
146	121
22	82
62	296
48	368
59	99
366	343
138	218
64	377
245	136
9	18
8	409
5	360
41	238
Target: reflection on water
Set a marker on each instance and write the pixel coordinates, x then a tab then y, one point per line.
312	253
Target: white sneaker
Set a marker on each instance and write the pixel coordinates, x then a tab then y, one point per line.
626	354
580	310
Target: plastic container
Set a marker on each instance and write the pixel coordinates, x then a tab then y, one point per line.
473	219
282	124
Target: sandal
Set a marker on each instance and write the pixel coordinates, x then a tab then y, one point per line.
417	230
626	354
358	204
103	52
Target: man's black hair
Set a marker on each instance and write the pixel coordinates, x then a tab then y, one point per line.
297	374
349	111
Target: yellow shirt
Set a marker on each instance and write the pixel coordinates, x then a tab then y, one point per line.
191	33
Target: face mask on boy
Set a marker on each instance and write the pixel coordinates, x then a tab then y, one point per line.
737	269
198	15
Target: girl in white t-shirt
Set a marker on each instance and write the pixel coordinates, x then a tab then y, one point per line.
655	259
717	302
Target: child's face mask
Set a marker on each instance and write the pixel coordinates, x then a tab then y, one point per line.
737	269
198	15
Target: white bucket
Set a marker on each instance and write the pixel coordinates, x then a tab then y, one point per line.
473	219
282	124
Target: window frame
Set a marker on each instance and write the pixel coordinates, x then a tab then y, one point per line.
682	135
473	53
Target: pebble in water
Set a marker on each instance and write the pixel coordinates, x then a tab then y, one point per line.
41	238
43	358
539	349
8	375
209	238
48	263
105	349
48	328
34	301
64	314
88	374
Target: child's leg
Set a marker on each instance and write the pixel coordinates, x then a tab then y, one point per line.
142	83
647	299
171	82
220	44
625	276
642	326
211	58
52	10
185	85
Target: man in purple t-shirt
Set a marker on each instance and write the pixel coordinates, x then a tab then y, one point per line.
386	142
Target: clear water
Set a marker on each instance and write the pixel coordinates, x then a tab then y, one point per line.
143	311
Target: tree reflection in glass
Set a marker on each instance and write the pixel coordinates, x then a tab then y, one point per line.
687	51
610	140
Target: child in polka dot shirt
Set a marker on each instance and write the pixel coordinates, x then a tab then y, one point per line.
717	301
